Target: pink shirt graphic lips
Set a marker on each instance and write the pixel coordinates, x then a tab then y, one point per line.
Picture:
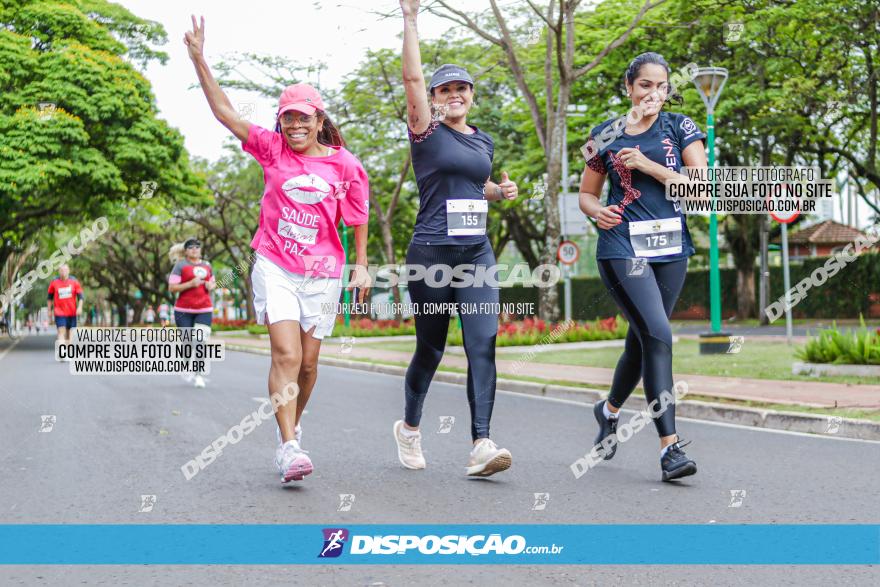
304	199
306	189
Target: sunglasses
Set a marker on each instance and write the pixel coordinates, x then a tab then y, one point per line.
303	119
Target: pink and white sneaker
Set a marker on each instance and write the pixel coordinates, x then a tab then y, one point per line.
293	462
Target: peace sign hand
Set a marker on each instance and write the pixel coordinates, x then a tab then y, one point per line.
195	39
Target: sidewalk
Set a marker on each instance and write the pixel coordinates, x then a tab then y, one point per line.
799	393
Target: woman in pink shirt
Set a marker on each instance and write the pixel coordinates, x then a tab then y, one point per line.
312	182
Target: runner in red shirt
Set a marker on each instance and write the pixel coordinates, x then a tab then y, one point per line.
192	279
65	302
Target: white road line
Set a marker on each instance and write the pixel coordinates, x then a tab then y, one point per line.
12	346
706	422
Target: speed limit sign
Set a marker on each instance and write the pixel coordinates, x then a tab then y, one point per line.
568	252
790	207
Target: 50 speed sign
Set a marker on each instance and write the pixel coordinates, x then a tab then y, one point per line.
568	252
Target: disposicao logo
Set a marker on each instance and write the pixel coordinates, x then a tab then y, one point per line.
334	540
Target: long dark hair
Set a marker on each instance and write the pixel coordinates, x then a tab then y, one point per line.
329	135
635	66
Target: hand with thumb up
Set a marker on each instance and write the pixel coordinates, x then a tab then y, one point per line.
508	188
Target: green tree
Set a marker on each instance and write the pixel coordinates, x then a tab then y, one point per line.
78	122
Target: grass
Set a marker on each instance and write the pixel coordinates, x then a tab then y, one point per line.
859	414
753	322
756	360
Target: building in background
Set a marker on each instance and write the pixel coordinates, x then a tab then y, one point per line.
820	240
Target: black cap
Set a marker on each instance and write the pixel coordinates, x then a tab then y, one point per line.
192	242
450	73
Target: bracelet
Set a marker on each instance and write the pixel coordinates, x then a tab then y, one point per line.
499	192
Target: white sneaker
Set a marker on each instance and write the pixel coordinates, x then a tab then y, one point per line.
409	448
297	434
487	459
292	462
199	381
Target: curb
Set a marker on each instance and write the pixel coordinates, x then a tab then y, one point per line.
697	410
818	369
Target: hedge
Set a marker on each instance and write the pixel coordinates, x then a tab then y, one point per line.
854	291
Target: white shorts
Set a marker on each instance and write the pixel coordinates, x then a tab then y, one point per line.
283	295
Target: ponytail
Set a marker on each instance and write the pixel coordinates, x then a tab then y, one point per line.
330	134
176	253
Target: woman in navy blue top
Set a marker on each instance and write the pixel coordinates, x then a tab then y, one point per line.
452	161
644	245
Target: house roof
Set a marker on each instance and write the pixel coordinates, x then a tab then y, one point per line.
828	232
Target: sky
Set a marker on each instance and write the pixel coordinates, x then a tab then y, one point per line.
333	31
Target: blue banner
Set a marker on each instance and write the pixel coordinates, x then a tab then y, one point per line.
43	544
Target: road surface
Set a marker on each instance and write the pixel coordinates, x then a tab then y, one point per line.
116	438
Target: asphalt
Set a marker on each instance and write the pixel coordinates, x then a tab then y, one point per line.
116	438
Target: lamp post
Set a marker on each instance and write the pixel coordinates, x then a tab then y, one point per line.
710	81
345	294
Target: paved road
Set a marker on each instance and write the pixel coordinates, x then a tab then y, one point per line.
116	438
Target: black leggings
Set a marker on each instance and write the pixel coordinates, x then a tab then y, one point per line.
478	331
646	298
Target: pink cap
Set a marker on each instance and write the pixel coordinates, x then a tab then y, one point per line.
300	97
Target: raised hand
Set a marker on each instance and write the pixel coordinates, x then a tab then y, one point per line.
410	7
195	39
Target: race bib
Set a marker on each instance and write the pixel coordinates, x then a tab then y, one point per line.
65	292
656	238
466	217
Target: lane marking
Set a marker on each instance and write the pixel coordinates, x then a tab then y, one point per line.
12	346
695	420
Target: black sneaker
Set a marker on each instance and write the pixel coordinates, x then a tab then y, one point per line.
675	463
607	427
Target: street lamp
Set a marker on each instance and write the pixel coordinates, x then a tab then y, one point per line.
710	81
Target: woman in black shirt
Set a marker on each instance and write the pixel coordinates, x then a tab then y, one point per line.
452	161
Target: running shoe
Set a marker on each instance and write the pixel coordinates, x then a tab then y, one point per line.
409	448
199	381
297	434
292	461
487	459
675	463
607	427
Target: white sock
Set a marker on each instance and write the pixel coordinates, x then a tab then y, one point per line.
407	432
608	413
664	449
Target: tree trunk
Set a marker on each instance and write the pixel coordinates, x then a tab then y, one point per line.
138	307
122	314
391	258
745	292
548	297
